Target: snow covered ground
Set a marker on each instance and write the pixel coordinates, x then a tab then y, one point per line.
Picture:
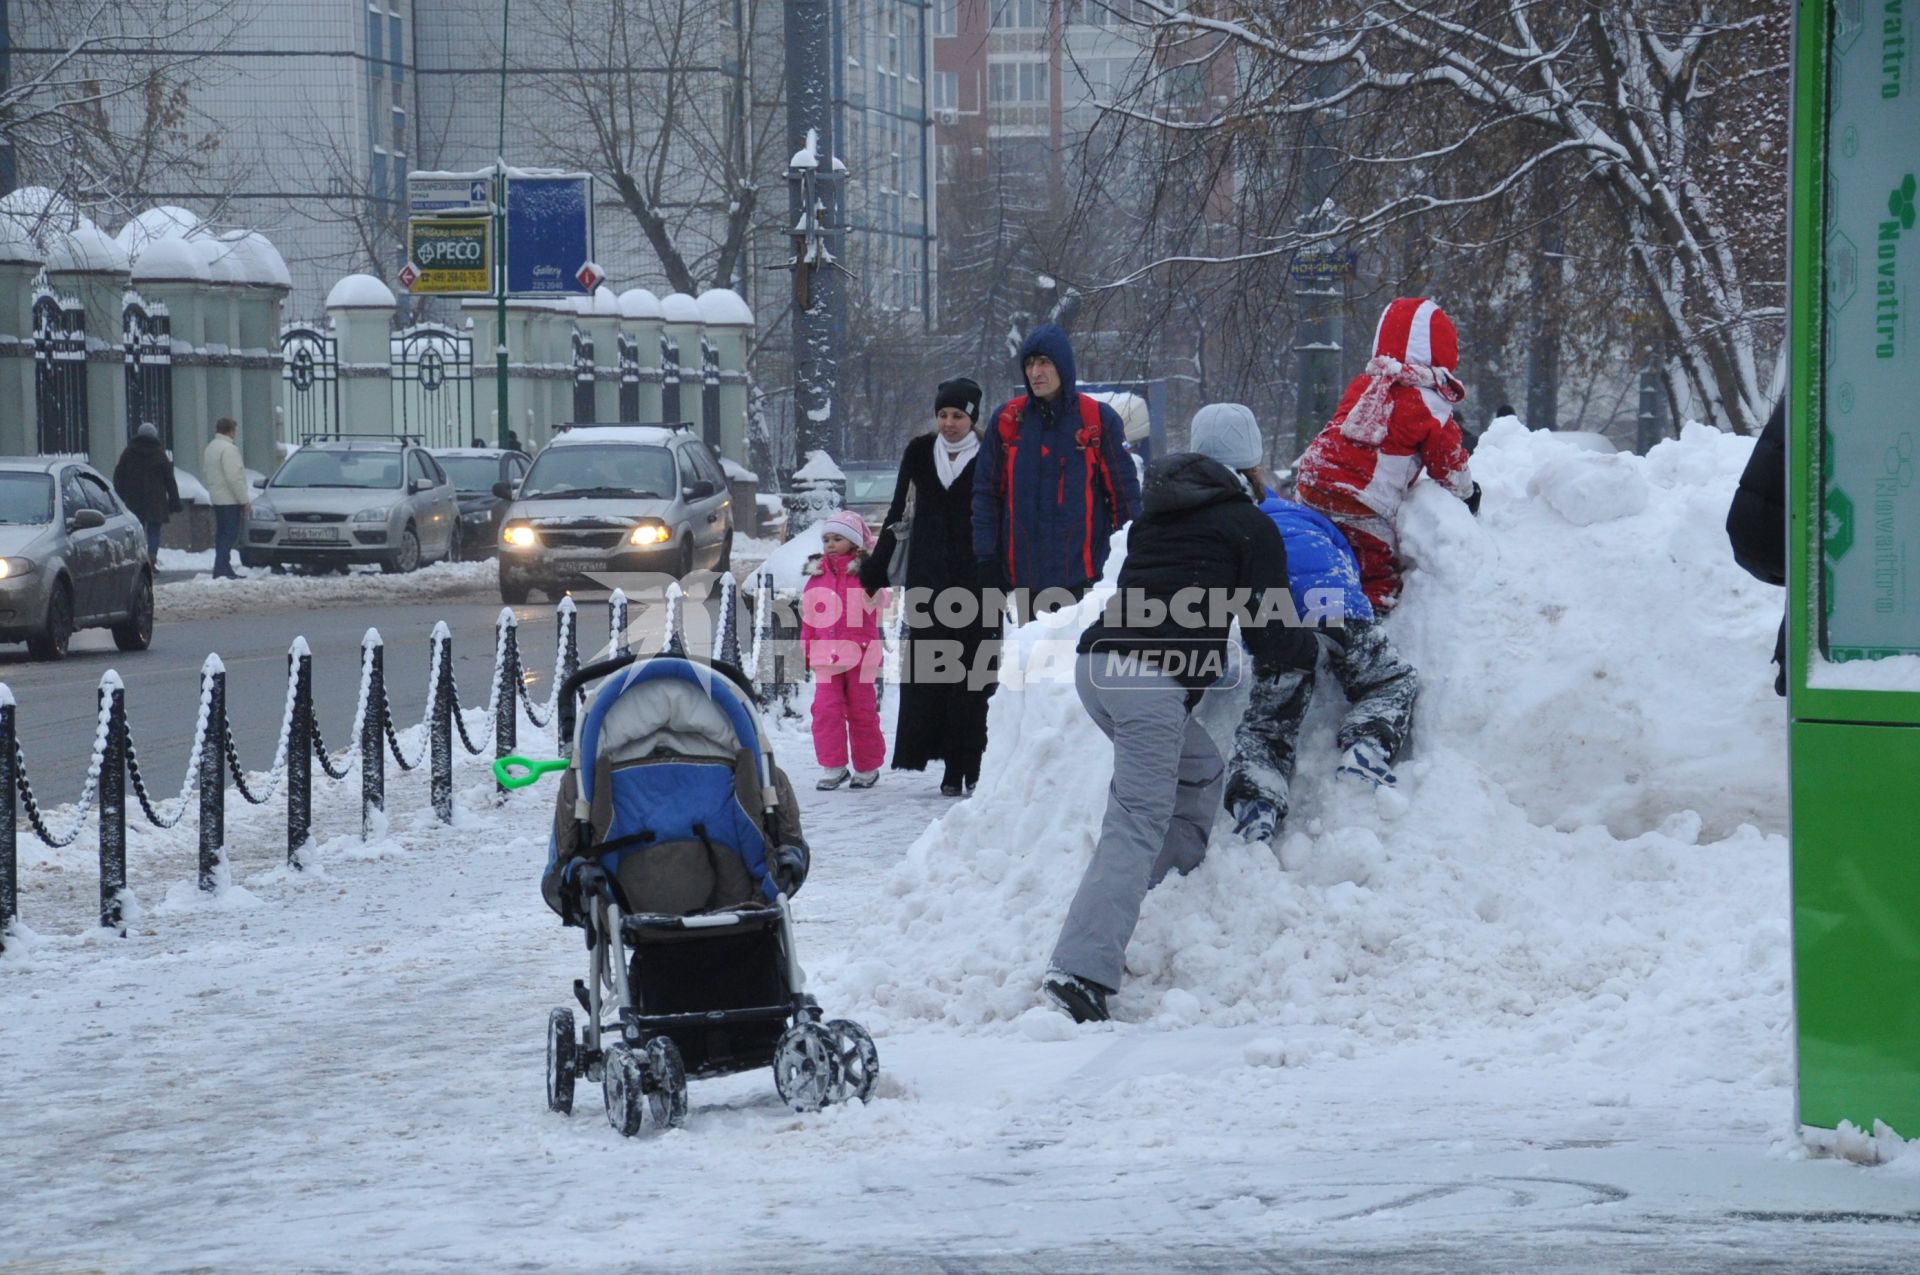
1530	1013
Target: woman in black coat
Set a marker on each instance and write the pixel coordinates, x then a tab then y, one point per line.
943	697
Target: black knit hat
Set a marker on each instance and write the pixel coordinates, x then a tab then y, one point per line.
961	393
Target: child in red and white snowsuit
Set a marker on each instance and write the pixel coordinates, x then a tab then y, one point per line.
1395	420
839	636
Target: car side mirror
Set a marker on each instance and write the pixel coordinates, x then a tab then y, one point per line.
504	490
699	489
86	520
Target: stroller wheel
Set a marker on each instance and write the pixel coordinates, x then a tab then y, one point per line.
859	1060
623	1085
806	1067
561	1061
667	1076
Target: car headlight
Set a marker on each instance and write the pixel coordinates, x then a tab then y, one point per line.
11	567
263	512
518	536
649	533
373	515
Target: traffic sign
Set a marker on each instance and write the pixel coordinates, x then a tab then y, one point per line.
408	273
451	256
442	194
550	234
589	276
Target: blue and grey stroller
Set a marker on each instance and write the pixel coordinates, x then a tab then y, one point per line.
676	846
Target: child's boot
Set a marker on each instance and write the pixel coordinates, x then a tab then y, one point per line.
833	779
865	778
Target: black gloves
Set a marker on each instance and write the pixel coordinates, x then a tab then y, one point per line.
1473	501
788	866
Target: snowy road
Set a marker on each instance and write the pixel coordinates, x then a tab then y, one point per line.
1532	1014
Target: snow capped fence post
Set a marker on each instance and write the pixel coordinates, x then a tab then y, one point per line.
213	772
373	743
726	643
300	752
566	664
113	801
506	685
9	834
617	618
440	729
676	639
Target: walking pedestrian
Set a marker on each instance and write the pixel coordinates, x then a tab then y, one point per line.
1395	420
225	476
1142	670
1054	482
839	638
943	709
145	480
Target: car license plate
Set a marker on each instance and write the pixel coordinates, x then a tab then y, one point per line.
585	566
312	533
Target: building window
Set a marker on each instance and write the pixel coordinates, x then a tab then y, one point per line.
1020	15
1016	82
379	172
946	158
399	129
396	49
376	29
946	17
946	90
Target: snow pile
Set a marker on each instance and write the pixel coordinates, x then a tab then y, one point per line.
260	590
1578	676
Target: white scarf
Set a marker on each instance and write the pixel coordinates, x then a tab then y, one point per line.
948	462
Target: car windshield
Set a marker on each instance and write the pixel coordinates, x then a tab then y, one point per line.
603	471
326	467
471	473
869	486
26	500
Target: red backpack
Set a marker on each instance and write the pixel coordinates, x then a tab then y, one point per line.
1088	439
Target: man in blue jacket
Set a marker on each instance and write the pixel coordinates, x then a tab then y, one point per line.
1053	481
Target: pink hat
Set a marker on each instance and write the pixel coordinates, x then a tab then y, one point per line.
846	522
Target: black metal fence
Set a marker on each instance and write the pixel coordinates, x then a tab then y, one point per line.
146	337
583	377
310	378
373	740
60	371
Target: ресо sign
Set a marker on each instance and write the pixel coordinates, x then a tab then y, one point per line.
453	255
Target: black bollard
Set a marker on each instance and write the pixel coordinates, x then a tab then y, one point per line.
565	667
617	620
299	777
9	834
113	805
373	737
440	729
506	702
213	773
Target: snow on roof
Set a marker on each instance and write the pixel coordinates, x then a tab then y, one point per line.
638	303
819	468
605	303
171	260
360	292
167	221
807	156
39	213
16	243
219	258
680	308
723	307
86	248
257	261
651	435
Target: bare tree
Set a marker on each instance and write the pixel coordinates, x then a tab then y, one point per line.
98	103
653	96
1492	116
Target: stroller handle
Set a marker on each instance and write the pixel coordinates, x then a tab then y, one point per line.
516	771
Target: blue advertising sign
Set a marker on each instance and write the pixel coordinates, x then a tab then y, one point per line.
549	248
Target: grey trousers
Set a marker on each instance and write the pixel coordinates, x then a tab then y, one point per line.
1167	782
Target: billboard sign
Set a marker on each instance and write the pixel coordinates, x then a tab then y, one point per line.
449	257
549	234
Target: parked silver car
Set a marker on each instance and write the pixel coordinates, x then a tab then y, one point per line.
614	499
354	498
71	557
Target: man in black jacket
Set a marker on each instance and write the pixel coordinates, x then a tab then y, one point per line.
1199	551
144	478
1757	521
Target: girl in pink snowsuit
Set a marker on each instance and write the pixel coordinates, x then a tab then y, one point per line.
839	636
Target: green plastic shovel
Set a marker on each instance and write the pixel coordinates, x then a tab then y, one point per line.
515	771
